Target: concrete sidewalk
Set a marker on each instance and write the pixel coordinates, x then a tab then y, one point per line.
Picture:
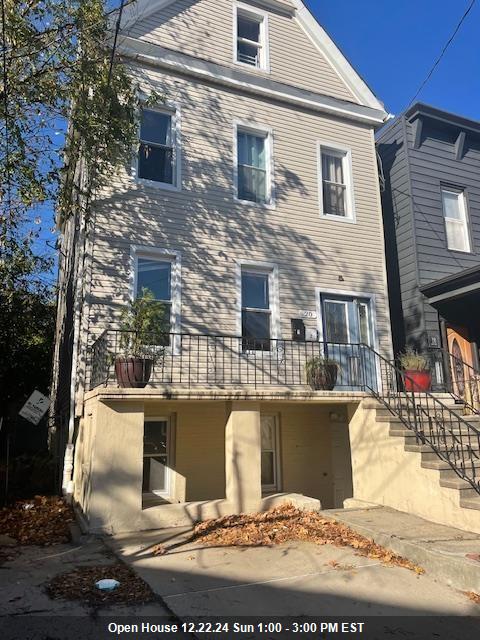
441	551
294	579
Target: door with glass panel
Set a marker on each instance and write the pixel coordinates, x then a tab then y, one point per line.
156	457
269	454
347	324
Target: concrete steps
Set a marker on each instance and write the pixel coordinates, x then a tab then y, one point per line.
469	498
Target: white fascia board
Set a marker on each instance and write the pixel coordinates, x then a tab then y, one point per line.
176	62
336	58
139	10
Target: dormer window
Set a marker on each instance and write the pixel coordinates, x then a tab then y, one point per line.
251	40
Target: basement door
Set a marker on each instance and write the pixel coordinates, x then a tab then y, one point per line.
347	325
156	457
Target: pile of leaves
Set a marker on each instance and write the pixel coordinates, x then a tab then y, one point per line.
474	597
80	585
43	521
287	523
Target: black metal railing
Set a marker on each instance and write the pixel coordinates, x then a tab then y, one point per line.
448	434
456	377
196	360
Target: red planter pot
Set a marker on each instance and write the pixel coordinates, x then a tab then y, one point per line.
418	380
133	372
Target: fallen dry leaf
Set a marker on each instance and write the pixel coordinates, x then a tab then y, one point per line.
287	523
473	596
79	584
43	521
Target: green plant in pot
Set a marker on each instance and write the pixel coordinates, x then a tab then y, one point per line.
321	373
144	334
417	370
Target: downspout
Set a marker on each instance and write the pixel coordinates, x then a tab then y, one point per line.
67	482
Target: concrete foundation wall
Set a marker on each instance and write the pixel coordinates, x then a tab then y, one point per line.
384	473
215	459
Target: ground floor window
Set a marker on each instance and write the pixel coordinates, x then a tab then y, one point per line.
270	466
156	456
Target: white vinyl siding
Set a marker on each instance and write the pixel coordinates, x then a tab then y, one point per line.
456	223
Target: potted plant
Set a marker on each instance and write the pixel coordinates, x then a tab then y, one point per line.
321	373
417	371
143	338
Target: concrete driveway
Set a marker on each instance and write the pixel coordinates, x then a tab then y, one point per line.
295	579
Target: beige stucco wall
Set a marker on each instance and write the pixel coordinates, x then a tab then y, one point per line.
216	459
384	473
306	449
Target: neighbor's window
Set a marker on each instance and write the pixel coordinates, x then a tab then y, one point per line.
336	197
256	311
251	39
252	166
156	276
157	155
456	224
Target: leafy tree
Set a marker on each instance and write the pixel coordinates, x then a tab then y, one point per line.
58	65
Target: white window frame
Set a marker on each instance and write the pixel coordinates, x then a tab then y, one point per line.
346	155
262	18
167	494
464	221
366	295
264	132
277	471
173	110
274	299
162	255
345	307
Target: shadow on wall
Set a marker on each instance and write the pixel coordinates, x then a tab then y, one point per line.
212	230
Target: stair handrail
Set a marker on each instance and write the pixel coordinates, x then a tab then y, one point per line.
447	357
449	435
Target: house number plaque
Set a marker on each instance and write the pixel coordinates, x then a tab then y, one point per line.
308	314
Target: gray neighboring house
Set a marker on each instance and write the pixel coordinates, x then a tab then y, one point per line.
431	202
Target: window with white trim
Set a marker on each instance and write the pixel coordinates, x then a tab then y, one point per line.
251	36
157	155
456	223
256	309
253	179
156	456
269	453
158	272
336	183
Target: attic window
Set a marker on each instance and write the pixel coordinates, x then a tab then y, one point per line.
251	45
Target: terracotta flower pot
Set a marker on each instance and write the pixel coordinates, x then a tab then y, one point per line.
323	377
133	372
418	380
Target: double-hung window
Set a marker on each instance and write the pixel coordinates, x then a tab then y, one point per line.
157	156
456	223
256	310
269	453
251	38
253	179
336	183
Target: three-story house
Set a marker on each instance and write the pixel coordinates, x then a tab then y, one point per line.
251	212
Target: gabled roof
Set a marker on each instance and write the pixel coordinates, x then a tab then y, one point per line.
143	8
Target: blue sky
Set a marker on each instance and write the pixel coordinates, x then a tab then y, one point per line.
393	44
